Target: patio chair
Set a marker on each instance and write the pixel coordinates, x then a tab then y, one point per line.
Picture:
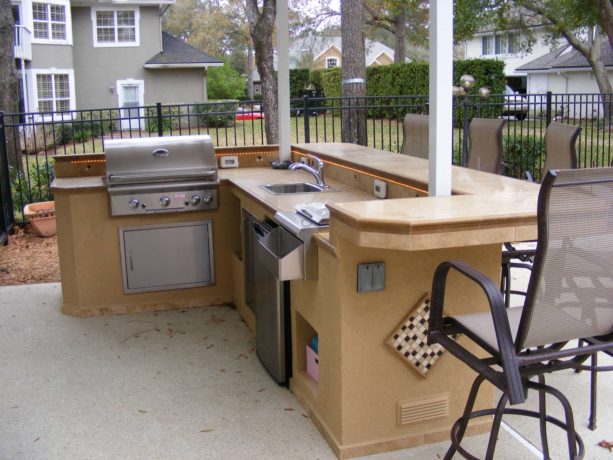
574	224
485	140
560	150
415	131
560	140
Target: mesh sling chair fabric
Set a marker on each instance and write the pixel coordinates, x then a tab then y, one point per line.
560	141
415	132
485	140
570	295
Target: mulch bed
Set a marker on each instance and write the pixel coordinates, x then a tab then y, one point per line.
29	259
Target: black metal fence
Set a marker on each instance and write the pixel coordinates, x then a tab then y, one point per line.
28	141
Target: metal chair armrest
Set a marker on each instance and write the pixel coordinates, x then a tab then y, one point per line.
508	356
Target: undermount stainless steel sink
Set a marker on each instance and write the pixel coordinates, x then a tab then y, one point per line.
302	187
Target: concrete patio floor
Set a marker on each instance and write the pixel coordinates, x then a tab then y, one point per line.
183	385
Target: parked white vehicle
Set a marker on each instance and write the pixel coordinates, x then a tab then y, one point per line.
515	104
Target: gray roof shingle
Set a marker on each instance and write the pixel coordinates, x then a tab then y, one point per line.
176	52
567	57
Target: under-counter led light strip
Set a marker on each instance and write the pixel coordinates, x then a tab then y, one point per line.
78	162
374	176
251	152
259	152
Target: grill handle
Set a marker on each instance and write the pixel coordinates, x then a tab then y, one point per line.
140	178
160	153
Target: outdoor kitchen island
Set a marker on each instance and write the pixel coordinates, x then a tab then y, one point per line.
366	399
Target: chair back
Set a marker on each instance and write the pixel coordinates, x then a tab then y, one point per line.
416	132
485	138
570	292
560	142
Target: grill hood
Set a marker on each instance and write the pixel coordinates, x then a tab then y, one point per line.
160	159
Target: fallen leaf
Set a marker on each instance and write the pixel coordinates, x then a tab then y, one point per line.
288	409
261	389
606	444
223	371
142	411
207	430
170	332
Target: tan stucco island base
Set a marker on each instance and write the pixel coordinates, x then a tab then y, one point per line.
367	399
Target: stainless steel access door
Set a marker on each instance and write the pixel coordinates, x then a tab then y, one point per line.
171	256
268	297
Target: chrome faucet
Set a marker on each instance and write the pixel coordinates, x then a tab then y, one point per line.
317	172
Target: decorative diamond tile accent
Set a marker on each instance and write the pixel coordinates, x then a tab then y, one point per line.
410	340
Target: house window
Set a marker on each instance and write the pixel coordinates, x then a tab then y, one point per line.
331	62
53	92
514	43
500	44
49	21
115	27
487	47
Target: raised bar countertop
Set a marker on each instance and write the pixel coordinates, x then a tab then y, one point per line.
484	208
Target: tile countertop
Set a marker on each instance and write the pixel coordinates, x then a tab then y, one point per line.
247	180
484	208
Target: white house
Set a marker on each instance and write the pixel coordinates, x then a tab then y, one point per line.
505	46
565	70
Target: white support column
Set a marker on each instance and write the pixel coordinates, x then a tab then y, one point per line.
283	78
441	100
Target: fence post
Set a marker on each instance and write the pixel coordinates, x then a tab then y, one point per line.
548	109
307	123
7	213
158	107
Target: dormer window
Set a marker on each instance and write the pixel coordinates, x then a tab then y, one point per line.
51	22
331	62
115	26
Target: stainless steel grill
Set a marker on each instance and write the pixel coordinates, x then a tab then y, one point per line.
161	174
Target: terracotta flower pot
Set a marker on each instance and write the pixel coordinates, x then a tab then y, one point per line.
42	217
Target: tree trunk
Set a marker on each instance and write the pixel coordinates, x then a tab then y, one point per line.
605	12
602	80
261	28
353	118
400	48
9	89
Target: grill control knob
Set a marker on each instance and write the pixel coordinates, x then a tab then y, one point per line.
164	201
207	198
194	200
134	203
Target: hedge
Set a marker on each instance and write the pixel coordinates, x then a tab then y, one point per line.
299	79
411	79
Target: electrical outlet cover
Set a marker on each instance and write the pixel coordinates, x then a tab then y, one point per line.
229	162
380	189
